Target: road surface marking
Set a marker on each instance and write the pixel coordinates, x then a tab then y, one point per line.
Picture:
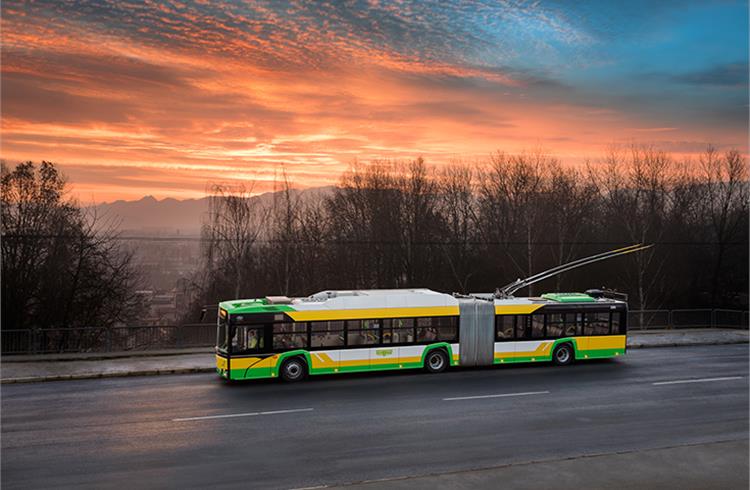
249	414
702	380
495	396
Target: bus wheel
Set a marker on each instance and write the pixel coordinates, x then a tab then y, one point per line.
436	361
293	370
563	355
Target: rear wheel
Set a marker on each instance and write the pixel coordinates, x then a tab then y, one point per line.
293	370
563	355
436	361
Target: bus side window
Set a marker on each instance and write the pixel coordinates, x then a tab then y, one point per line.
387	330
326	334
504	327
570	325
248	339
578	323
603	326
588	323
288	336
372	330
537	326
447	328
618	326
522	327
597	323
555	325
362	332
426	329
402	331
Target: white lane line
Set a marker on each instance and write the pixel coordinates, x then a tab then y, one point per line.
502	395
702	380
249	414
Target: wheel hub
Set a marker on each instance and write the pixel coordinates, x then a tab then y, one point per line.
293	370
436	361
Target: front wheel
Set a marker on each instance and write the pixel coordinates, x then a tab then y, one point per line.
563	355
436	361
293	370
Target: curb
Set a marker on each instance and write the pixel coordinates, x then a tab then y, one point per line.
121	374
692	344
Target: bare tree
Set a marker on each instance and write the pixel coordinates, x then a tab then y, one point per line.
391	224
61	267
365	214
633	189
724	198
510	201
457	206
231	233
420	222
314	256
569	214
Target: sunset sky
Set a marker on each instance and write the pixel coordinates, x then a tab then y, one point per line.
160	98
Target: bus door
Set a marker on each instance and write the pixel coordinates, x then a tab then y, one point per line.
249	347
522	346
385	355
601	330
505	345
361	338
402	338
576	319
530	344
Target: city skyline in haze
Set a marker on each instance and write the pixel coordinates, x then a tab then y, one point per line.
134	99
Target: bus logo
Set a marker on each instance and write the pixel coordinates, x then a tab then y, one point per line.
384	352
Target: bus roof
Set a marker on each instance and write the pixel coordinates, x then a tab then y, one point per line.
420	300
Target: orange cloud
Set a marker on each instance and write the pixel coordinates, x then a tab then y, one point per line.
168	97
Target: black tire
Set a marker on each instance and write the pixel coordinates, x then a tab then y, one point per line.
436	361
563	355
293	370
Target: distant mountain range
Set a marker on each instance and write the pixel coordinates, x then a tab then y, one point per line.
168	217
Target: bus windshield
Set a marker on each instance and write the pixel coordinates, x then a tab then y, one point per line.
221	335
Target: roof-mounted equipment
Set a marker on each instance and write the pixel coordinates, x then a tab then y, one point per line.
508	290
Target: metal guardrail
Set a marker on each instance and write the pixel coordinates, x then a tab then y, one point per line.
692	318
117	339
123	339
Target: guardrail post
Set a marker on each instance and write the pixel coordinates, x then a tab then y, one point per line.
713	318
670	320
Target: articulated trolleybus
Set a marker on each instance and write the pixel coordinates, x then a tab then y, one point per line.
370	330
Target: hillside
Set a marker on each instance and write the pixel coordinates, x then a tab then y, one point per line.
151	216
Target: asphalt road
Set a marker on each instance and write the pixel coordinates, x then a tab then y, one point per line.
196	431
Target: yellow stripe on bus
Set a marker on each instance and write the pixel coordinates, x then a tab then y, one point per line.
516	309
332	315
